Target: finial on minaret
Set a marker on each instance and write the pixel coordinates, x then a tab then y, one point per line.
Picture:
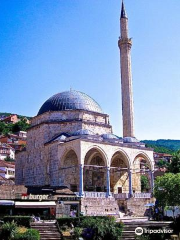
123	11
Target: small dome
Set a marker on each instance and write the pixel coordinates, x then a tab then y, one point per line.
83	132
109	136
70	100
130	140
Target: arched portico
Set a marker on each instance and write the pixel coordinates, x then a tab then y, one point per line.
69	170
142	166
95	171
119	177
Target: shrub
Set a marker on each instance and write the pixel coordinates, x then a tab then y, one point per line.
67	221
95	228
77	232
8	230
20	220
21	230
101	229
76	221
175	225
30	234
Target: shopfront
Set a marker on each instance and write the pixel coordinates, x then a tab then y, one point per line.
44	210
46	203
6	207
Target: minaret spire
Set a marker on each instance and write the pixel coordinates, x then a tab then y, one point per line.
125	44
123	11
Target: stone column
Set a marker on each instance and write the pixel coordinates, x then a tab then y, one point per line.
152	180
81	183
130	182
108	191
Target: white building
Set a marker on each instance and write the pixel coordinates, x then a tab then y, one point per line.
7	170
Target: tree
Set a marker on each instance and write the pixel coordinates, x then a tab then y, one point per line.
8	159
174	166
144	183
5	128
22	125
162	163
167	190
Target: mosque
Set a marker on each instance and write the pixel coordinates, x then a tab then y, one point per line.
71	143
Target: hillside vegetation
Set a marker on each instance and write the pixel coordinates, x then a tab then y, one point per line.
163	145
6	128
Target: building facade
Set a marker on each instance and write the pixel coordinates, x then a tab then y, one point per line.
71	143
6	151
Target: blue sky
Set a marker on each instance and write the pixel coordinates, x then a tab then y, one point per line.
48	46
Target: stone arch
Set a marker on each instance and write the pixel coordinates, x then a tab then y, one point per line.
142	165
143	156
64	154
119	178
99	150
69	170
123	155
95	165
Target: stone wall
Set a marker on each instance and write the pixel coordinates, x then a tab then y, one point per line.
137	205
20	167
120	180
99	207
12	192
71	115
62	210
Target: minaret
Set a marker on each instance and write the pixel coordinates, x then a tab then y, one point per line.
125	44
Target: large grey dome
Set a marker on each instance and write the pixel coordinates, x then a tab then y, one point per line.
70	100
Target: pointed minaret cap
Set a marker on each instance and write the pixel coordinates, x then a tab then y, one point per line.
123	11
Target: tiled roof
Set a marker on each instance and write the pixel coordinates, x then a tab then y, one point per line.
2	178
5	164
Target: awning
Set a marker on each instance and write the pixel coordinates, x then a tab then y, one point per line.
149	205
70	202
6	202
35	204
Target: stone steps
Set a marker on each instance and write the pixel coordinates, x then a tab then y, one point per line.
47	231
129	227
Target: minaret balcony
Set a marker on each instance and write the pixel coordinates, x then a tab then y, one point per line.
123	41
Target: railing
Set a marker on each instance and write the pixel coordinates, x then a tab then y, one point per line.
116	196
121	196
95	194
135	195
142	195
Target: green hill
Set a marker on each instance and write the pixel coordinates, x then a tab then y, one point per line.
21	125
163	145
